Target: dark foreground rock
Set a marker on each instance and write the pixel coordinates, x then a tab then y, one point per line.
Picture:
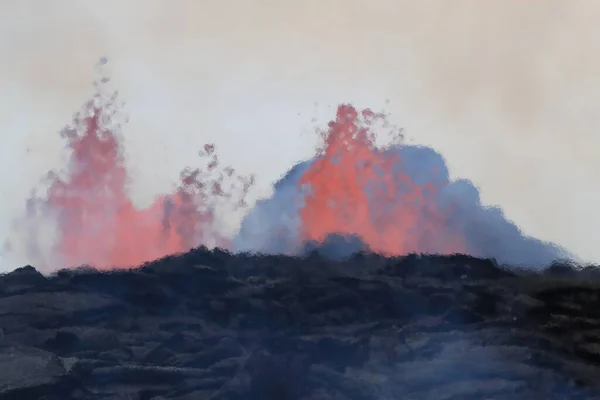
210	325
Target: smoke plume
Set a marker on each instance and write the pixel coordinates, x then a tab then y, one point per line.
355	196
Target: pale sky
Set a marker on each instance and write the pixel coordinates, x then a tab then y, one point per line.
506	90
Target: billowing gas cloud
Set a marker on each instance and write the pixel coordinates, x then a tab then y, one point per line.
420	210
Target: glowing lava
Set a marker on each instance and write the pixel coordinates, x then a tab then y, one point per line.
355	188
352	187
97	223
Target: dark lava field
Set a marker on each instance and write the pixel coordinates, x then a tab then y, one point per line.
213	325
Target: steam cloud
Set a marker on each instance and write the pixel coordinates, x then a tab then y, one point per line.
487	231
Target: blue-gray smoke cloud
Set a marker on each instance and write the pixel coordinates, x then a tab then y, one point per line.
273	226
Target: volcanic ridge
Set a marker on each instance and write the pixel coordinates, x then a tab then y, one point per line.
209	324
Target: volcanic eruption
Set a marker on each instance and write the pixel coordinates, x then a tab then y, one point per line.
95	220
396	200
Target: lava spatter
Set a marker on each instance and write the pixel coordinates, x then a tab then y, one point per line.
352	187
356	188
96	222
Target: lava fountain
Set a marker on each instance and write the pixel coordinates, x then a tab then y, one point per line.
352	187
356	188
96	222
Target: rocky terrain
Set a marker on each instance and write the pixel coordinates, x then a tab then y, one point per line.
211	325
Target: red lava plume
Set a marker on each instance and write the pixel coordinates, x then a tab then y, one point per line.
97	223
355	188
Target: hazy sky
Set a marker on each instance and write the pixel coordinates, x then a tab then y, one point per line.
506	90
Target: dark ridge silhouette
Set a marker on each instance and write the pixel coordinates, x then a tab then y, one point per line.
216	325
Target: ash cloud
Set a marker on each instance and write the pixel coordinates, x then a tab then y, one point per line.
273	226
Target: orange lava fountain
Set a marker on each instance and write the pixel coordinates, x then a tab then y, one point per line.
355	188
97	223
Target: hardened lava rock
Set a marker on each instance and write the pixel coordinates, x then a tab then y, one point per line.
213	325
